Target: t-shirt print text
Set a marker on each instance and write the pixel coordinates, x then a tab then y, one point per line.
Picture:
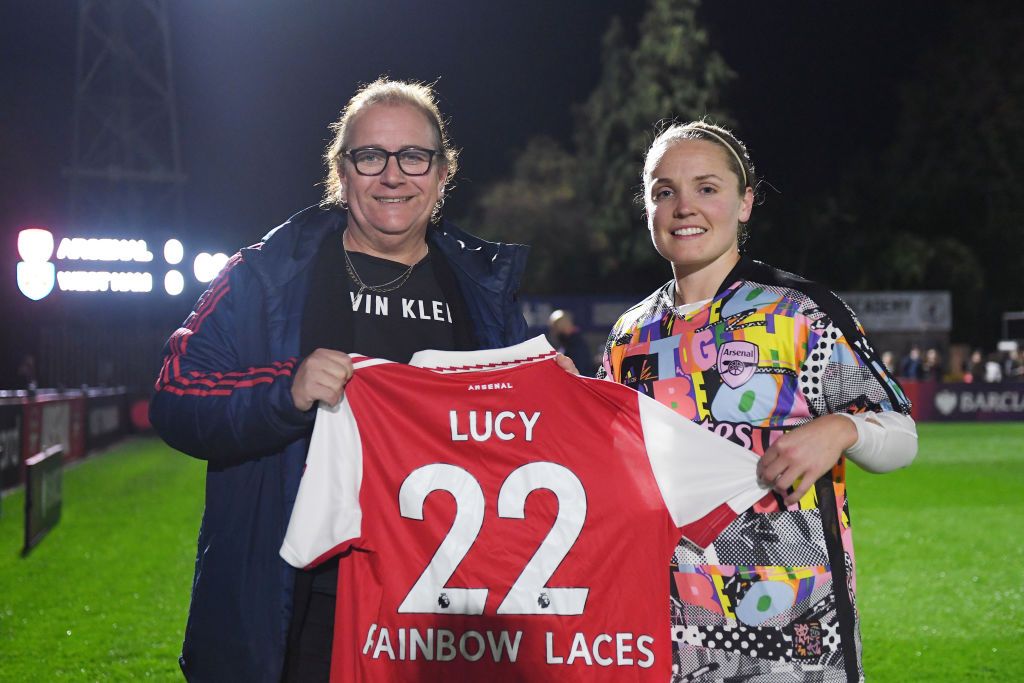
416	309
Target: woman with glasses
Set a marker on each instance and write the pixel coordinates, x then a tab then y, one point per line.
776	364
373	270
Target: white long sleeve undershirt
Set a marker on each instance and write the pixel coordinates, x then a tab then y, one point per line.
886	441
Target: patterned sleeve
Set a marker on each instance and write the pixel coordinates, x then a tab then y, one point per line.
842	373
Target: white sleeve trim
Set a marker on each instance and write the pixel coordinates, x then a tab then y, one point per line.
327	511
696	470
366	362
886	441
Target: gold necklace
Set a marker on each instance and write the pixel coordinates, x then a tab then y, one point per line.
390	286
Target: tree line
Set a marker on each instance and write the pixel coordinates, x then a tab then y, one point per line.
941	207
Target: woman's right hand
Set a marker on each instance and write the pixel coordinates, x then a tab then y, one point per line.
798	458
321	376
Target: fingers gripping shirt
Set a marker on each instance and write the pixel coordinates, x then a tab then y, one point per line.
504	520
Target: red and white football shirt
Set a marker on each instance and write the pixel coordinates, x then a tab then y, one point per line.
505	520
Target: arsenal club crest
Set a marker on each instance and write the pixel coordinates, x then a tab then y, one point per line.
737	361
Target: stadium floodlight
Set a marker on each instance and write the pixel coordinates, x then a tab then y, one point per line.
174	251
206	266
174	282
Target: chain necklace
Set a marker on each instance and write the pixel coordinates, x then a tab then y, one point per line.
389	286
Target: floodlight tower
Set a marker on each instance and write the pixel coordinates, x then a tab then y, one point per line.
126	161
126	180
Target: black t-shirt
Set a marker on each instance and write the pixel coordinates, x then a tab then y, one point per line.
397	324
426	312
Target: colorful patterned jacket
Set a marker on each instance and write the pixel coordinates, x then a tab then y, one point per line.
774	596
224	395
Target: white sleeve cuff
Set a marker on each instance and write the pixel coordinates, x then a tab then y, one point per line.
886	441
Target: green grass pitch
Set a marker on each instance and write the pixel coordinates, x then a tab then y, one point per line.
940	565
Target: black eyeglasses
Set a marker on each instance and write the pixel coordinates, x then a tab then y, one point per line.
373	160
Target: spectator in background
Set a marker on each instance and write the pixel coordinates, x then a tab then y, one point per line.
568	339
975	368
1013	367
993	369
911	367
932	367
889	360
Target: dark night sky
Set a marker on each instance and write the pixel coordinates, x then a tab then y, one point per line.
258	81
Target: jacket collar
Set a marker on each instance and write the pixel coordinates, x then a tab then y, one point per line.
494	266
287	250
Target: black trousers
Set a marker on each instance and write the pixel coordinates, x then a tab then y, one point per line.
308	659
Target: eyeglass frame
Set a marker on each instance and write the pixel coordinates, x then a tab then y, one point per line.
387	158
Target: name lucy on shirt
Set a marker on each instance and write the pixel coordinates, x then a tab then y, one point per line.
483	427
444	645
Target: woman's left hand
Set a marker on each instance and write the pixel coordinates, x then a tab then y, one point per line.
806	453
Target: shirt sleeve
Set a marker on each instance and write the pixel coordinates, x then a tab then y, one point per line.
886	441
327	514
208	402
842	375
705	480
841	372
